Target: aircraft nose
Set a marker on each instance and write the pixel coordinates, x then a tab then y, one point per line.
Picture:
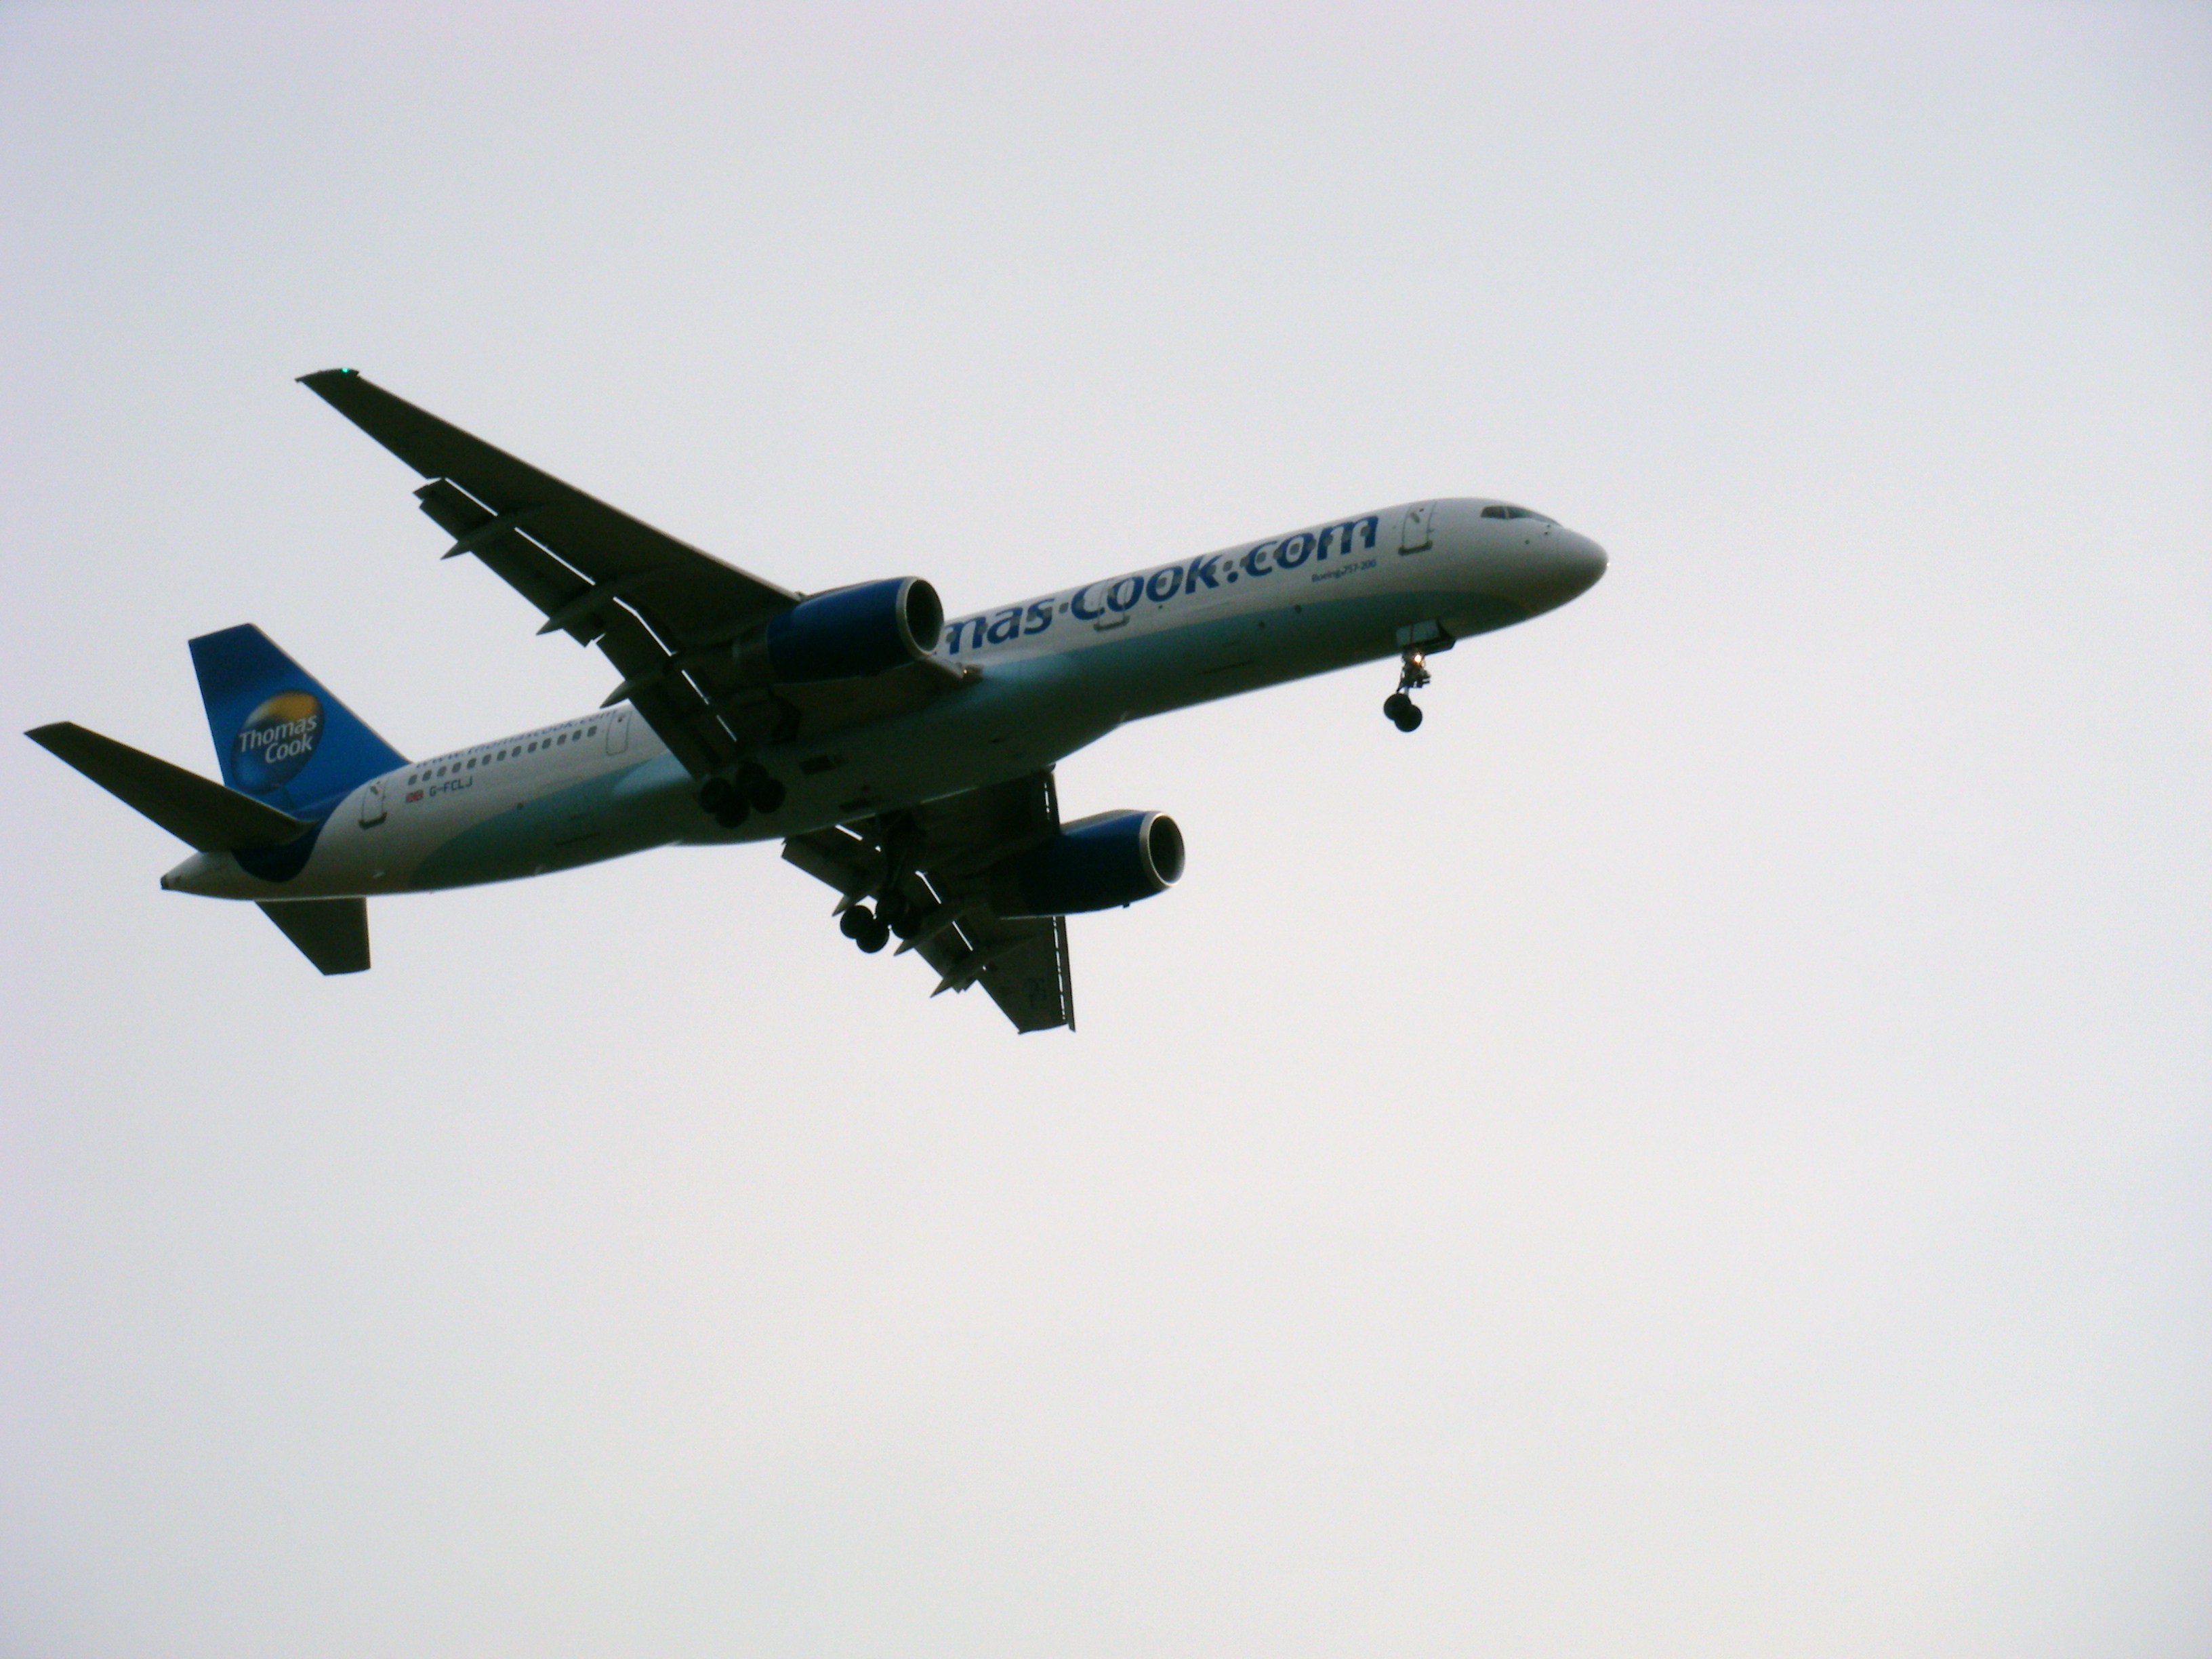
1584	560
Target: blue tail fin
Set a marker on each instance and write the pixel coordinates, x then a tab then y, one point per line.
281	737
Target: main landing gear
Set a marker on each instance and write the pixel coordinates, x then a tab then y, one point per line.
731	800
865	928
1413	675
872	930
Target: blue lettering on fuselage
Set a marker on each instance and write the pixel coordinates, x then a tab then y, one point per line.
1171	582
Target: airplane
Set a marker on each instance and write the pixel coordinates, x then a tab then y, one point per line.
904	760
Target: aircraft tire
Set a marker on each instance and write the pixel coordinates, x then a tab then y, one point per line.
714	795
856	922
874	939
731	814
767	794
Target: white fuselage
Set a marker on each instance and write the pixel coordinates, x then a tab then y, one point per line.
1056	672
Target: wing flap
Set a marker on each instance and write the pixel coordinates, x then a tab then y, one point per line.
652	678
936	856
1022	965
521	563
1033	987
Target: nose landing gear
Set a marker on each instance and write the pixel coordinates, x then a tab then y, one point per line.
1413	675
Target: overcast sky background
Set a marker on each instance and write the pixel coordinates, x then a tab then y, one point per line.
1706	1149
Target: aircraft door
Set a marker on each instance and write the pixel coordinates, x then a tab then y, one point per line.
618	731
371	805
1413	529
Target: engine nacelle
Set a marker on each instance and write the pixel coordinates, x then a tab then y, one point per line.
850	631
1094	864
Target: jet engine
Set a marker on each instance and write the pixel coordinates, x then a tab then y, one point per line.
1094	864
848	632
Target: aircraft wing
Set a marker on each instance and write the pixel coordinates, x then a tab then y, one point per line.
664	613
936	857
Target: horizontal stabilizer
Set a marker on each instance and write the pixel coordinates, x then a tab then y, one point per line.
192	808
332	933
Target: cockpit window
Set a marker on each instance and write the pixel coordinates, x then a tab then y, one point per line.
1499	510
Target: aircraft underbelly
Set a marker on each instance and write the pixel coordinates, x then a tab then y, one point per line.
1025	713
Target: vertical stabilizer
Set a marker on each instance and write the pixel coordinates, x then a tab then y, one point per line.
280	738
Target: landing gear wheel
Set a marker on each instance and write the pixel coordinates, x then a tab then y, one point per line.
759	790
1413	675
863	926
896	914
724	802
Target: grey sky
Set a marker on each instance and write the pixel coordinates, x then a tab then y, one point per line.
1704	1150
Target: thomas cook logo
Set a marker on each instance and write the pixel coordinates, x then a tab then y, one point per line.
277	739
